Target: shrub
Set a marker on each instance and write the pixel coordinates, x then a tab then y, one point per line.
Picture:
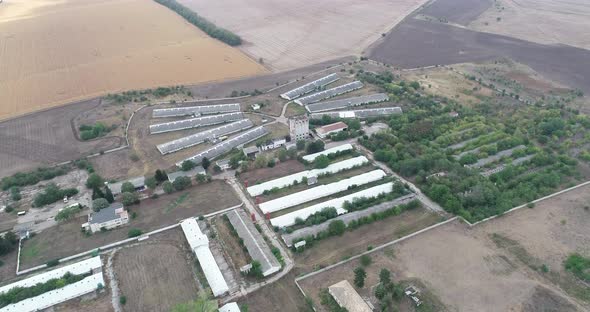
337	227
15	193
94	181
168	187
181	183
365	260
100	203
32	178
134	233
51	194
127	187
52	263
359	277
123	300
321	162
128	199
188	165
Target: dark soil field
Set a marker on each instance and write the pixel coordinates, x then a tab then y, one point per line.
457	11
66	239
45	138
153	282
418	43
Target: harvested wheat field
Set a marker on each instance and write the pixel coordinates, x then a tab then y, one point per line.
289	34
58	51
541	21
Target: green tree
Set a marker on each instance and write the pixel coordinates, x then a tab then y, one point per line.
205	163
15	193
129	199
151	183
168	187
201	178
359	277
188	165
336	227
161	176
366	260
134	232
384	276
127	187
321	162
97	193
99	203
282	155
181	183
108	195
94	181
315	147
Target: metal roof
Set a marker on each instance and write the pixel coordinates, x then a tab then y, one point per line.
200	137
195	110
285	181
326	94
348	102
333	150
106	214
254	242
191	173
200	245
289	219
359	113
227	145
81	267
320	191
230	307
347	297
194	122
309	87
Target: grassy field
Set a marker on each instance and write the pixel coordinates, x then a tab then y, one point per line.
71	50
66	239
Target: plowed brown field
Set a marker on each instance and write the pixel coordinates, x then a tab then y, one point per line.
58	51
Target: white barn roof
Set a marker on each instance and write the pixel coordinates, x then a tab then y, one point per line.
309	87
56	296
320	191
285	181
336	149
230	307
77	268
199	243
289	219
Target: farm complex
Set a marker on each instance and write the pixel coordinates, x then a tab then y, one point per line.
230	156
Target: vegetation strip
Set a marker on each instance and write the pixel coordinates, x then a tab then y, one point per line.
211	29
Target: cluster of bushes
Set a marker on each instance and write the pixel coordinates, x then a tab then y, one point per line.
141	95
99	129
51	194
134	233
318	217
205	25
337	227
8	243
579	266
33	177
66	213
387	291
18	294
314	146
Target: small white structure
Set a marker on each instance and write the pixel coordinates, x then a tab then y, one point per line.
199	243
299	128
273	144
230	307
223	164
256	107
251	151
111	217
348	298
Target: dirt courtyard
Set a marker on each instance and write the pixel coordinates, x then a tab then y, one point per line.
495	266
151	282
54	52
289	34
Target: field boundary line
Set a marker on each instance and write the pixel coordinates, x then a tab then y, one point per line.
393	242
104	248
223	211
526	204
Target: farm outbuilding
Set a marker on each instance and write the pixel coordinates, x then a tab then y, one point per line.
194	122
230	307
333	150
108	218
138	184
326	94
347	297
327	130
195	110
191	173
348	102
338	203
285	181
360	113
199	243
310	87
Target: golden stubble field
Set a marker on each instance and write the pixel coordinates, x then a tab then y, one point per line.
58	51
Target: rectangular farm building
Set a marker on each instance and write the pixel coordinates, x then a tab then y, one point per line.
285	181
199	243
228	145
348	102
257	247
194	122
320	191
327	130
326	94
338	203
191	173
200	137
309	87
359	113
333	150
347	297
195	110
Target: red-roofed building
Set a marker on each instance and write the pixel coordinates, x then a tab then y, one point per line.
327	130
